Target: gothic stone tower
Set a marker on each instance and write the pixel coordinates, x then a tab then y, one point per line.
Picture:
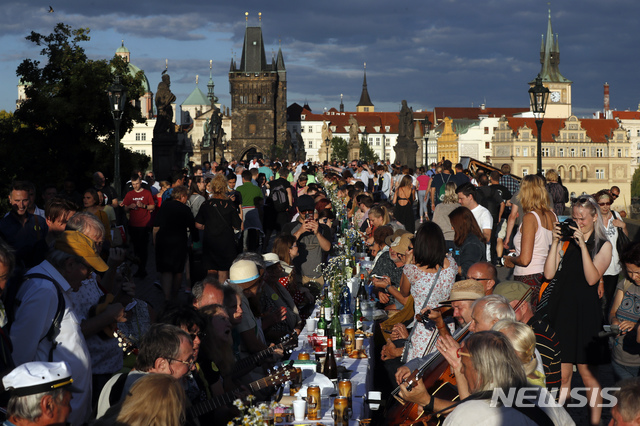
258	99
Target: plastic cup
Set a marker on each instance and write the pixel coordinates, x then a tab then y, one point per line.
374	396
359	343
311	325
299	409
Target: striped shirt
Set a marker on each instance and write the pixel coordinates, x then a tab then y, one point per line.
549	347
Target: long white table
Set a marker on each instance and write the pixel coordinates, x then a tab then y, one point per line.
361	380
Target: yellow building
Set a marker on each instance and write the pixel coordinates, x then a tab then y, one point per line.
448	142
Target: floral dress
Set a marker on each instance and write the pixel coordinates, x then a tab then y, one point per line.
421	283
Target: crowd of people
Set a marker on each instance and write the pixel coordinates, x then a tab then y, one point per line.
238	251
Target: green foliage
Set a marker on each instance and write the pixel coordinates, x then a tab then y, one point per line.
64	127
367	153
339	148
635	183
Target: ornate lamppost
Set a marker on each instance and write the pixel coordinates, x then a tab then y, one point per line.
117	100
539	96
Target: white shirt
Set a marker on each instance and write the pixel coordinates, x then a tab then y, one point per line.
37	309
485	221
253	165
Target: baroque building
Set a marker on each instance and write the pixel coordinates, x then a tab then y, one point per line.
258	101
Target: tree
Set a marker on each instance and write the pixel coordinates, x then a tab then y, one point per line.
367	153
339	149
64	127
635	184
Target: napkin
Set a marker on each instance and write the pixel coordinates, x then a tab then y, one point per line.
317	379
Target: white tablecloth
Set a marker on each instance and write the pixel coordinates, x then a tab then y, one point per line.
361	380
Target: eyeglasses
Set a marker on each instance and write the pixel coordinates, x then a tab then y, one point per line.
189	364
605	203
199	334
409	248
460	353
615	195
583	200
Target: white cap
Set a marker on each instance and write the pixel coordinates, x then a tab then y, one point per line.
37	377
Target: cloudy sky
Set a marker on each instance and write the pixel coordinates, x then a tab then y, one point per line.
431	53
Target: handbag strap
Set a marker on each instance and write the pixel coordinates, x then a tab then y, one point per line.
424	305
215	207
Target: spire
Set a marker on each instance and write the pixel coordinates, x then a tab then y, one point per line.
550	56
253	58
341	104
365	100
210	95
280	61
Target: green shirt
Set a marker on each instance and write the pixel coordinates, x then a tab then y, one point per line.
250	194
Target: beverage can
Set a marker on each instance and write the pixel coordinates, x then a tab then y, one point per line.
344	389
349	339
313	402
341	411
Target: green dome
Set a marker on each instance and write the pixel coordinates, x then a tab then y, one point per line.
133	70
122	49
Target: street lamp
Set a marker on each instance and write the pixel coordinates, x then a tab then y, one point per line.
539	95
117	101
327	141
216	121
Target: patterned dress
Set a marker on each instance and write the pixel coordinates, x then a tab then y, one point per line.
421	283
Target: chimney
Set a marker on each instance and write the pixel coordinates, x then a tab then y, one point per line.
606	98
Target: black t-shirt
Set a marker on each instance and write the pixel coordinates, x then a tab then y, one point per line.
506	195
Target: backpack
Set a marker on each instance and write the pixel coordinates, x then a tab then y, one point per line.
279	198
11	304
487	200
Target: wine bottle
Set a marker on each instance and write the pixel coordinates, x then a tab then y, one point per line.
328	310
322	323
336	331
357	317
348	270
362	291
330	368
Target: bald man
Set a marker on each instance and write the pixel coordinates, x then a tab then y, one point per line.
486	273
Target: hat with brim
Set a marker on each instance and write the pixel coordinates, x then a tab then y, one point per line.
401	244
465	290
270	259
397	233
513	290
243	271
36	377
74	242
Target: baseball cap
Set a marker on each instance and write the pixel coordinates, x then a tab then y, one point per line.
465	290
74	242
305	203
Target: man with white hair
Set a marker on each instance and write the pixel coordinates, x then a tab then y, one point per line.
40	394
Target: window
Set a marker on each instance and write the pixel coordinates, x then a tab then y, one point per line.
638	132
584	152
137	137
252	129
545	152
619	152
560	152
310	129
599	173
377	141
599	152
572	152
486	130
301	129
310	144
366	109
525	151
259	99
525	172
487	145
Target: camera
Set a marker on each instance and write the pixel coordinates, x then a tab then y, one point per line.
567	232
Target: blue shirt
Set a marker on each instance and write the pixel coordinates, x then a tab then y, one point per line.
25	239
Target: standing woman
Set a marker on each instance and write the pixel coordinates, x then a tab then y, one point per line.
574	307
170	237
218	218
534	236
197	194
301	185
403	202
443	209
613	224
428	280
469	240
91	202
423	186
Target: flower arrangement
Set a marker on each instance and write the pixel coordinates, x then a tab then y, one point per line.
250	414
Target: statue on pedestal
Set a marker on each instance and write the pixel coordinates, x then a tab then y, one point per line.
406	147
164	99
354	142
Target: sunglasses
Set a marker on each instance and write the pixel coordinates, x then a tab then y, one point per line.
605	203
615	195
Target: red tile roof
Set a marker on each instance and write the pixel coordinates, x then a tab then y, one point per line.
598	130
474	113
626	115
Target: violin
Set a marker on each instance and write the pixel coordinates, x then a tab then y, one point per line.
438	378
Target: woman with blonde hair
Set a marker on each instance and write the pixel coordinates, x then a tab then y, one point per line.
403	204
534	236
378	216
154	400
523	340
441	213
219	220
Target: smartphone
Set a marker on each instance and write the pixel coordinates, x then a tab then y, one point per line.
308	216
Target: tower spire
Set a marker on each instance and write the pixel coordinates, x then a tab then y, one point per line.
365	104
550	55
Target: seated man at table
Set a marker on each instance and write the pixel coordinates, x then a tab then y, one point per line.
389	266
491	364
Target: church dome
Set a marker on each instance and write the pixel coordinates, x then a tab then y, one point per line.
133	70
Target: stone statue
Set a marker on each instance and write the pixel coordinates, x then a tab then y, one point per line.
164	99
405	127
206	135
353	129
326	132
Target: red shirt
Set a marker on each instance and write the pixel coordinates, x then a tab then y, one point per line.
139	217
